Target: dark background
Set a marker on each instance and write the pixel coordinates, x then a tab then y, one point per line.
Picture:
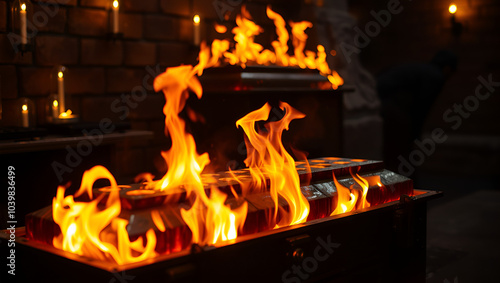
463	226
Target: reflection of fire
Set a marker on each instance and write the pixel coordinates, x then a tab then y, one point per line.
95	228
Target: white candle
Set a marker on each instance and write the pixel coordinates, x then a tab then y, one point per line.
55	109
22	14
25	114
196	21
60	92
116	7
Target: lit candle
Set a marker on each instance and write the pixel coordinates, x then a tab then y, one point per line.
55	108
60	91
25	116
22	14
116	7
196	21
452	9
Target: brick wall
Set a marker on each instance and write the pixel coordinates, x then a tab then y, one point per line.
75	33
156	33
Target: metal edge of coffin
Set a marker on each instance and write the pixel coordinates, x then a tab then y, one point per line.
384	243
257	78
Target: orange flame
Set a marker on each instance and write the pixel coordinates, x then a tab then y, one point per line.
352	198
209	219
184	163
299	42
281	45
267	156
247	51
88	230
220	28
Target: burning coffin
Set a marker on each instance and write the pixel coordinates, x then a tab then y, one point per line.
322	219
385	240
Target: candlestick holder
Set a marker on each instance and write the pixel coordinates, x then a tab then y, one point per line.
22	13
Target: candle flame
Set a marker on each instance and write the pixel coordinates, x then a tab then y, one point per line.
23	7
452	9
25	107
66	114
196	19
60	75
115	4
55	103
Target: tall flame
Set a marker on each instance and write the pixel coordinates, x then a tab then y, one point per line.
209	219
184	163
267	156
281	45
97	232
